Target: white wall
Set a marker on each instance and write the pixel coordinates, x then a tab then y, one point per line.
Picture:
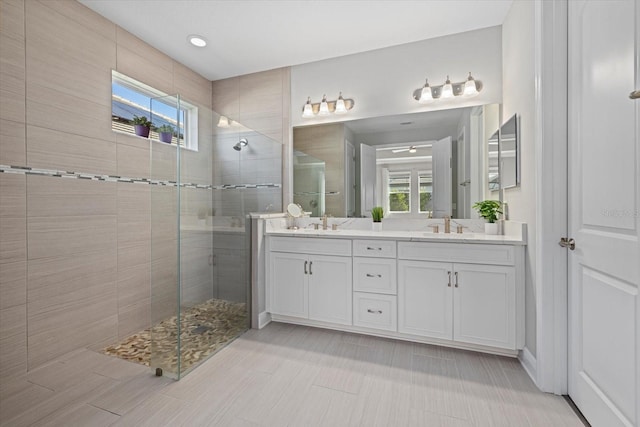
518	78
382	81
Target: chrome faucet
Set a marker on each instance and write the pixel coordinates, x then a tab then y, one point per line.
324	222
447	224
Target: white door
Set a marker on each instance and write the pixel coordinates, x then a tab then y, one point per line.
288	282
484	305
425	299
441	157
330	293
367	179
604	203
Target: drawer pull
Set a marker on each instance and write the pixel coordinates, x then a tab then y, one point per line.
374	275
449	283
456	275
305	267
311	272
374	311
369	248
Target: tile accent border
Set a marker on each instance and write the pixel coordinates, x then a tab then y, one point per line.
26	170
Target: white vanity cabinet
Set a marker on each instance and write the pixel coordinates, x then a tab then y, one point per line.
467	302
304	283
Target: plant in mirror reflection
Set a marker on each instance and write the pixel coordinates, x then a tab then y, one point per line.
488	209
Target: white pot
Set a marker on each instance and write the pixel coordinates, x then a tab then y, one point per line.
490	228
377	226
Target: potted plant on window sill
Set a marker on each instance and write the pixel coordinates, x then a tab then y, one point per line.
489	210
377	213
141	126
165	133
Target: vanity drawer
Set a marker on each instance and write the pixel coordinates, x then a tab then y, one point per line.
374	275
375	311
375	248
457	252
311	245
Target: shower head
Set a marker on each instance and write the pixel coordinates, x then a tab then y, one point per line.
242	143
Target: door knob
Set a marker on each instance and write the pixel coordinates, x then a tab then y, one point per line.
566	242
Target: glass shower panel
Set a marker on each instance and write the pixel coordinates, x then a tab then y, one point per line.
205	183
165	327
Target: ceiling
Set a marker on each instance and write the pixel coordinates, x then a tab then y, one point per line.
255	35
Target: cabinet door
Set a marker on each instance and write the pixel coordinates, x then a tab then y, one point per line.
425	299
484	305
330	297
288	282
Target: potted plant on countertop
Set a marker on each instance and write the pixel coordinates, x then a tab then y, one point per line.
165	133
377	213
489	210
141	125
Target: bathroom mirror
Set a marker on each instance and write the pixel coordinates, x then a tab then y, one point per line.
510	153
414	165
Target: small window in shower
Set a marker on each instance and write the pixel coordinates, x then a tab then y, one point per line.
173	120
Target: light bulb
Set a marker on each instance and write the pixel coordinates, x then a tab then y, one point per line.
341	108
447	90
470	87
426	96
324	106
308	109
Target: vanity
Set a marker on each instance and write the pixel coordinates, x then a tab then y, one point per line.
459	290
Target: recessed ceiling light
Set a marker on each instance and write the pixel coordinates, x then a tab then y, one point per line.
197	41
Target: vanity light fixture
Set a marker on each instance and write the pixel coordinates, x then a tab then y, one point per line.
325	108
197	41
467	89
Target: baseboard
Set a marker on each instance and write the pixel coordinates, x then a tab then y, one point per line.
529	363
264	319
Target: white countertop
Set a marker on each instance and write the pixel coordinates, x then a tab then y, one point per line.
414	236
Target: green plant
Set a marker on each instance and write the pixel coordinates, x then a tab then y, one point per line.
165	129
142	121
377	213
488	209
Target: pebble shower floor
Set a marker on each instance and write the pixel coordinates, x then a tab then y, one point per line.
205	329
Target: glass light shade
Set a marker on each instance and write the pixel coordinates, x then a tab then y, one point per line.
447	90
341	108
308	109
324	107
426	96
223	122
470	87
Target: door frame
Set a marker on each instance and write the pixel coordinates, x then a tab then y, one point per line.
549	367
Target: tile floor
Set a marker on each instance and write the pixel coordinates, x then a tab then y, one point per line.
287	375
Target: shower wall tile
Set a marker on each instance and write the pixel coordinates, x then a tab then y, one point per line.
133	161
13	341
13	245
83	16
12	142
52	149
72	303
134	318
189	85
12	79
69	197
142	62
13	284
225	97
